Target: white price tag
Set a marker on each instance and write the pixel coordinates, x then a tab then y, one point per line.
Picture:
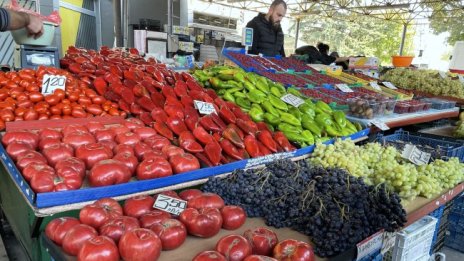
461	78
380	124
415	155
389	239
52	82
343	87
171	205
375	85
390	85
204	107
292	100
442	74
369	245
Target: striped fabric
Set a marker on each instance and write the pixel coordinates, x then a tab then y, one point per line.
4	19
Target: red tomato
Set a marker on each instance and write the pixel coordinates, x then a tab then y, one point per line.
94	126
120	129
259	258
234	247
233	217
140	149
293	250
172	150
68	179
48	142
154	216
101	211
73	128
78	138
140	244
58	227
76	237
16	148
171	232
109	144
31	115
157	142
50	133
124	148
52	99
35	97
133	123
184	162
205	222
189	194
93	153
116	227
128	159
154	154
73	163
35	167
169	193
104	134
144	132
99	248
128	138
43	181
153	168
109	172
206	200
29	157
21	136
7	115
262	240
138	206
56	153
209	256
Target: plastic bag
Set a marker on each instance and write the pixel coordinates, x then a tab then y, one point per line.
54	17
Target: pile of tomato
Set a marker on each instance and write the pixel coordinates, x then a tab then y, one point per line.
54	159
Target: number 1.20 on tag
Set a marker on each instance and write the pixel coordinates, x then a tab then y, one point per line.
52	82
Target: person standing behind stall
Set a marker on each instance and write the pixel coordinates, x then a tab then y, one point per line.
268	37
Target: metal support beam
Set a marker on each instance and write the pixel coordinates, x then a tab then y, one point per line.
117	22
297	34
403	38
170	16
126	23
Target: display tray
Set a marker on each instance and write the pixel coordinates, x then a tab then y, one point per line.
445	131
86	194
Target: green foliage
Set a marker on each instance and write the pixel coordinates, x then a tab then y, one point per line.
447	16
364	36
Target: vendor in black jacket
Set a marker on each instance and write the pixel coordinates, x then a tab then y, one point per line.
268	38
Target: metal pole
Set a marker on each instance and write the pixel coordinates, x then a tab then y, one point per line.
126	23
297	32
170	14
117	22
403	38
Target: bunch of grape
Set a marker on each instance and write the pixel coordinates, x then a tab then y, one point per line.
334	208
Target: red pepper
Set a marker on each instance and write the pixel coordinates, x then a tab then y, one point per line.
187	101
227	115
176	124
170	100
213	151
163	130
130	75
159	114
217	137
263	149
266	138
159	76
148	86
212	93
178	77
262	126
249	127
191	122
226	159
187	76
115	71
112	96
230	134
240	114
204	161
196	95
123	106
209	125
129	83
191	112
180	88
207	98
187	142
170	80
168	91
238	130
244	153
146	103
100	85
135	109
193	85
127	95
202	135
75	68
173	110
116	87
221	103
230	149
140	91
252	146
218	121
146	118
280	138
158	99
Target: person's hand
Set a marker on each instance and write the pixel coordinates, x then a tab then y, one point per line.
35	26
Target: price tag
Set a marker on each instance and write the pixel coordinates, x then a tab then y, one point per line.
390	85
204	107
52	82
461	78
375	85
415	155
171	205
369	245
292	100
380	124
389	239
442	74
343	87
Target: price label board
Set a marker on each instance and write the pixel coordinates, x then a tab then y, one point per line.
171	205
415	155
292	100
370	245
375	85
390	85
389	239
52	82
380	124
343	87
204	107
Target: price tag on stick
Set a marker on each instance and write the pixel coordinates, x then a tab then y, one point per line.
343	87
52	82
375	85
171	205
390	85
204	107
415	155
380	124
292	100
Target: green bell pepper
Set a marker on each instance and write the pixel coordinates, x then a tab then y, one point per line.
278	103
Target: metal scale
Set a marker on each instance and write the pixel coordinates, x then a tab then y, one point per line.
28	56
